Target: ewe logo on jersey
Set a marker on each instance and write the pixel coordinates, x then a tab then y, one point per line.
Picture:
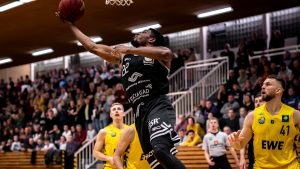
134	76
272	145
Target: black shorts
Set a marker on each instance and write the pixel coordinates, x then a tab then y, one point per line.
155	124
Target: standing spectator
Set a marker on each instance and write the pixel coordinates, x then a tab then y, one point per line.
215	144
221	96
71	148
90	134
256	43
228	53
242	59
277	41
181	124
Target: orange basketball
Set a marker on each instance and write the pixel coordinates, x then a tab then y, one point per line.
71	10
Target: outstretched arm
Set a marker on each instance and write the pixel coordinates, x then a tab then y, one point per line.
126	137
162	54
103	51
239	139
100	143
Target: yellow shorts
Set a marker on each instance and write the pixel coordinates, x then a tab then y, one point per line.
293	165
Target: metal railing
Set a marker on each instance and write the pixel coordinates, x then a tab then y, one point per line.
210	83
83	158
191	73
275	52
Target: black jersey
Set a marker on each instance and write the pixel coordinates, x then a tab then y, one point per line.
143	79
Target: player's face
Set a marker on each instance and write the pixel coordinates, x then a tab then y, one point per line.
269	89
117	112
141	39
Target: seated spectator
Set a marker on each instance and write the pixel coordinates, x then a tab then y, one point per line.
210	116
210	108
80	135
16	144
181	124
231	104
8	145
40	144
243	114
232	121
192	125
291	99
197	114
55	134
193	139
50	151
242	78
36	132
182	135
248	103
237	93
2	145
284	71
30	146
66	132
227	130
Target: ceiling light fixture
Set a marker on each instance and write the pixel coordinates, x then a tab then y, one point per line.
215	12
154	26
13	4
5	60
10	5
95	39
42	51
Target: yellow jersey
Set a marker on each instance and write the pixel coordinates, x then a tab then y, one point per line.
110	142
274	138
133	154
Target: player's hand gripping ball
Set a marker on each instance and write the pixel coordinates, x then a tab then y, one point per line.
71	10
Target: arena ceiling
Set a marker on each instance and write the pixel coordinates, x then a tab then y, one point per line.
34	25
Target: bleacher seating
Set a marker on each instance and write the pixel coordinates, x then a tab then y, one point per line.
21	160
194	158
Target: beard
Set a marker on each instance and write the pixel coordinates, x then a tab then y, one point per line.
135	43
268	97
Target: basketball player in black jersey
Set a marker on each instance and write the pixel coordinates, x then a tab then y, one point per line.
144	77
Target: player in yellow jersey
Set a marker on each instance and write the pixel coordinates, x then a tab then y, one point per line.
108	137
274	126
130	150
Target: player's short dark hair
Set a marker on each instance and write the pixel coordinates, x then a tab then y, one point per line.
281	81
159	39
